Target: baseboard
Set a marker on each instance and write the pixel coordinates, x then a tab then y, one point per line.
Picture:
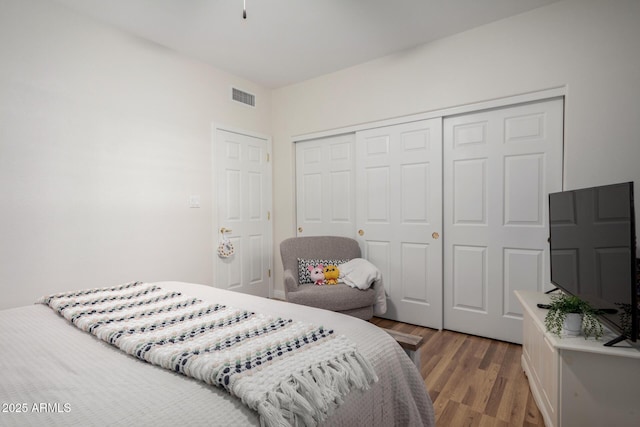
278	294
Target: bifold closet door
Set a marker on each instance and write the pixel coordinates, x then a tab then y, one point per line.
325	200
399	215
499	167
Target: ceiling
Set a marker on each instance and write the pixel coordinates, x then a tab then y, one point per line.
287	41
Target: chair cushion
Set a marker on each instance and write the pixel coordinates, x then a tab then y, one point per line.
338	297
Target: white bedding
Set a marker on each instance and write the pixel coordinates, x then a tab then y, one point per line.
51	373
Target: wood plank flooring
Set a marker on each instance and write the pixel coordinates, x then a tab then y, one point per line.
472	381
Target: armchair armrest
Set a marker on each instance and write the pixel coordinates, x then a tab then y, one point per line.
290	283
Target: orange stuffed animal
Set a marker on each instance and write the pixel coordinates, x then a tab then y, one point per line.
331	274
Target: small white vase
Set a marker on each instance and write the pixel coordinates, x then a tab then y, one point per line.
572	326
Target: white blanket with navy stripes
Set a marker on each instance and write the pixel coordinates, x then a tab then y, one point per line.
289	372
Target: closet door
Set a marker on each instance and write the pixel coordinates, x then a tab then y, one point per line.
399	215
325	201
499	167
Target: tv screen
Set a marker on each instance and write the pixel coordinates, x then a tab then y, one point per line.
593	251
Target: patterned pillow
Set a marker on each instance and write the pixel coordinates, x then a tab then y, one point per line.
303	271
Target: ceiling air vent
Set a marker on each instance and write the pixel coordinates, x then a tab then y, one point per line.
244	97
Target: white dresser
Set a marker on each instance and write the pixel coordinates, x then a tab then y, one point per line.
578	382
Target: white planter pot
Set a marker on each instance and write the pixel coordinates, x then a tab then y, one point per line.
572	326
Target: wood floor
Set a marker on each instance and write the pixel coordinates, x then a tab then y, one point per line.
472	381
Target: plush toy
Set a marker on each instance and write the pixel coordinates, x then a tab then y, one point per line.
316	274
331	274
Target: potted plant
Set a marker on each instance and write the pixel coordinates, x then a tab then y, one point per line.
564	309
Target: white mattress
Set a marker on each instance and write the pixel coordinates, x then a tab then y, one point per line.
51	373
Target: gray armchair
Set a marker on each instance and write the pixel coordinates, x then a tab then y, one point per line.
341	298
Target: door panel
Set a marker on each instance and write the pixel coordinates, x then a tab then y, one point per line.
499	166
325	186
470	291
398	213
243	203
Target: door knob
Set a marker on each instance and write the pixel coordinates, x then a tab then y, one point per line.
299	229
361	232
225	230
435	235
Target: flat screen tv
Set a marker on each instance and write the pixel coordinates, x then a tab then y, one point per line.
593	252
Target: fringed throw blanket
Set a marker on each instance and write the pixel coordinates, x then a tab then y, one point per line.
287	371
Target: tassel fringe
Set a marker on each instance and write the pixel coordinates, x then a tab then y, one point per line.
309	397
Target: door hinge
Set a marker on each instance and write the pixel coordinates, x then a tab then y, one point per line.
269	272
268	215
267	157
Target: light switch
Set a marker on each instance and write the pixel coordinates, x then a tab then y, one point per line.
194	201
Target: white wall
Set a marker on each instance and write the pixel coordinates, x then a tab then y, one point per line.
103	138
590	46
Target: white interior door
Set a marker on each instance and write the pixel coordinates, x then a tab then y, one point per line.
325	201
242	196
399	215
499	167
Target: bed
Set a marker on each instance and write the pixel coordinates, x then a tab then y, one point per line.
52	373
